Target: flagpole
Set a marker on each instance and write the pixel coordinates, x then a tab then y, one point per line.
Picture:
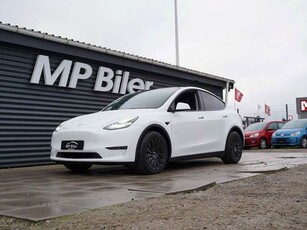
176	33
258	109
226	92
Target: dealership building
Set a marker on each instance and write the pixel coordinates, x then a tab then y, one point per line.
46	79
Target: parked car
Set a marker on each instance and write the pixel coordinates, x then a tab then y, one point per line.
146	130
294	133
259	134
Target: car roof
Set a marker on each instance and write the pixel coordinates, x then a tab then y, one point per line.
182	88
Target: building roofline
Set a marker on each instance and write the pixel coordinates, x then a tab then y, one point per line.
71	42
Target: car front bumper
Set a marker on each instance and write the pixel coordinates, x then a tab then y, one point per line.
100	146
285	141
251	142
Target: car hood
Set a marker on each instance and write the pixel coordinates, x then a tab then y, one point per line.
286	131
101	118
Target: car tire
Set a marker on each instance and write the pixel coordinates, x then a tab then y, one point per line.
152	154
303	143
262	144
78	167
233	149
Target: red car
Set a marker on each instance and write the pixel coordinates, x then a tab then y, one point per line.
259	134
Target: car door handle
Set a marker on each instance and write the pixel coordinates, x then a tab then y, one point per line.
225	116
202	117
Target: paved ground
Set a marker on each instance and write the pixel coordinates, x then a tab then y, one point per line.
39	193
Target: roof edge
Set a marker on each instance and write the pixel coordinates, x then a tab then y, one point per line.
71	42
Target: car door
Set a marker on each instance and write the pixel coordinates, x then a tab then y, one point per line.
187	125
214	122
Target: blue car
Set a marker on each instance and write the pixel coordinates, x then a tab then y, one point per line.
294	133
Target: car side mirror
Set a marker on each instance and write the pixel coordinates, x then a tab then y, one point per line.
182	106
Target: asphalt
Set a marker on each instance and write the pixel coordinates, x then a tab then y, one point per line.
44	192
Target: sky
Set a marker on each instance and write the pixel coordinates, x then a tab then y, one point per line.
260	44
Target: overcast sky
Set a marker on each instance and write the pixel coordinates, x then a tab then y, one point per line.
261	44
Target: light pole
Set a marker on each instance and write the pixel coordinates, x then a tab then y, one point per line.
176	34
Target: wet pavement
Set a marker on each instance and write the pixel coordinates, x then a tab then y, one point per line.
44	192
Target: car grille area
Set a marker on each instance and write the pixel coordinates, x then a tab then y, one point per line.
79	155
283	141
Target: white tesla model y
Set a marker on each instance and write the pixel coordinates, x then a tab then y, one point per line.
148	129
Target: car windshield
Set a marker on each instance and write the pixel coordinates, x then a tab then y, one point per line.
151	99
297	124
256	126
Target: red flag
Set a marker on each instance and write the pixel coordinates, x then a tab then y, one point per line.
267	109
238	95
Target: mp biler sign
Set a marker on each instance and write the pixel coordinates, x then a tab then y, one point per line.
107	80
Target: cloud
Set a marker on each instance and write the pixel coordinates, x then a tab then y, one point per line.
261	44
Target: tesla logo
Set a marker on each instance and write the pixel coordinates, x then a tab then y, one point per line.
71	145
304	105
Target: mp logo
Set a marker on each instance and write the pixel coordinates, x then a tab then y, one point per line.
303	105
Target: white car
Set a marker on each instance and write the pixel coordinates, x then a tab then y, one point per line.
148	129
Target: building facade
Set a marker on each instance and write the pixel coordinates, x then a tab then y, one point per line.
45	80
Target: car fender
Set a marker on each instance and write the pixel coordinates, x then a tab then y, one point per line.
159	127
234	124
237	129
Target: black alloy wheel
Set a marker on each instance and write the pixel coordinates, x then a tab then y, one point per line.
262	144
233	149
152	154
303	142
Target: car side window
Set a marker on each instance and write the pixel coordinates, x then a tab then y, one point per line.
211	103
273	126
189	98
280	125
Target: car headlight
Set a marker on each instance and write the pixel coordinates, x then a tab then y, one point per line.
59	127
254	135
121	124
295	134
273	135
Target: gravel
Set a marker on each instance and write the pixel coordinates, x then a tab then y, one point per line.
267	201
